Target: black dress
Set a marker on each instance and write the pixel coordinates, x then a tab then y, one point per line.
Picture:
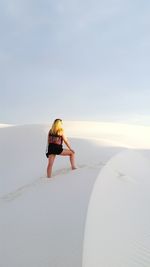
55	145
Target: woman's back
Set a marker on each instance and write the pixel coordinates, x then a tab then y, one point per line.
55	139
55	133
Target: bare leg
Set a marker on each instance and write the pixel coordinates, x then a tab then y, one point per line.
67	152
50	164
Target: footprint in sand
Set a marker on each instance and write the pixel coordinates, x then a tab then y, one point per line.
125	178
21	190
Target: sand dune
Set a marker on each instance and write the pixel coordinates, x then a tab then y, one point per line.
43	220
117	229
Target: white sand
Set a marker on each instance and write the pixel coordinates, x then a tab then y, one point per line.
43	220
117	231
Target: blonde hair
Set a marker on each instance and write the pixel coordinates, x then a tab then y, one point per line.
56	127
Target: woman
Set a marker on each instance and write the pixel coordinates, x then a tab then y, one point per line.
55	146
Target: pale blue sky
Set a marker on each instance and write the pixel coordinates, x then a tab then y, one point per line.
74	59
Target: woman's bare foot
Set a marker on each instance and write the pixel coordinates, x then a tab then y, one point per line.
74	168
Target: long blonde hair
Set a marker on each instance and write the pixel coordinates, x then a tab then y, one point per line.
56	128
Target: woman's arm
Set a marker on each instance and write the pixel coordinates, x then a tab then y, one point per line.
67	143
48	137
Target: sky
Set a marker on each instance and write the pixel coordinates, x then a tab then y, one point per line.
74	59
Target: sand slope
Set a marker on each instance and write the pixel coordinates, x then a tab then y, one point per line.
117	229
43	221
